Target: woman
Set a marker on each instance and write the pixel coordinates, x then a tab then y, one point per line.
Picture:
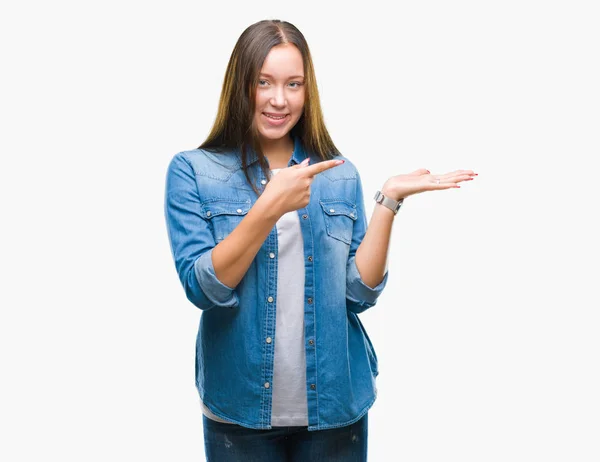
268	231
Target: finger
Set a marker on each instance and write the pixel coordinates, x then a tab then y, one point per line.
453	178
439	181
322	166
457	178
463	178
421	171
456	172
436	186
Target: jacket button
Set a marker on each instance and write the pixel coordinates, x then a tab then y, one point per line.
270	299
310	300
208	213
304	217
263	181
267	384
269	339
239	210
272	255
331	210
310	258
313	386
311	342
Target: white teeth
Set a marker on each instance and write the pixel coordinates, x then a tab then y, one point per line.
276	118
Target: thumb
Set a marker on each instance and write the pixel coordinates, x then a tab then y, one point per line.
421	171
304	163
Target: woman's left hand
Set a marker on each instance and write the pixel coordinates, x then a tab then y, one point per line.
421	180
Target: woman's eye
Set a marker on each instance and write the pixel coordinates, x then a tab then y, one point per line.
297	84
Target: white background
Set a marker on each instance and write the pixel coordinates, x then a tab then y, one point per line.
488	331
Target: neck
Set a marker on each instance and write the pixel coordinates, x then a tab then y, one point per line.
278	152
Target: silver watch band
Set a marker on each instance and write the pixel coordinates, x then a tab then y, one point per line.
391	204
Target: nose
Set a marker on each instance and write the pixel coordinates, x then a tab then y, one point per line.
278	97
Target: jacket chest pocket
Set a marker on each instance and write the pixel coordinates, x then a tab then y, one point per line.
224	215
339	216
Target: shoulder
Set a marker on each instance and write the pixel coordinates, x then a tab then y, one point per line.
204	162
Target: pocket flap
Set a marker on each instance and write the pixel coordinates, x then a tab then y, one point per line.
334	207
215	208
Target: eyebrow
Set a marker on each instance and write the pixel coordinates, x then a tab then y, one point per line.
292	77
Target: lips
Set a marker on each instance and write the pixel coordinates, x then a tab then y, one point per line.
271	122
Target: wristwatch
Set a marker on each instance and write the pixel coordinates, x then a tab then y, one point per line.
391	204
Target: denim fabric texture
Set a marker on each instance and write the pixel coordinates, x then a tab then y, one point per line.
206	197
234	443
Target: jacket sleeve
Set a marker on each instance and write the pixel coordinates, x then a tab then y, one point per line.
191	239
360	296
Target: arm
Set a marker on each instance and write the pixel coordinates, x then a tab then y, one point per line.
367	262
288	191
208	272
372	253
234	254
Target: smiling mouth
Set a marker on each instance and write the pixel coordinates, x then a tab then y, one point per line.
274	117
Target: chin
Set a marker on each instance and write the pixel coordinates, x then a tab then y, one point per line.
274	136
275	133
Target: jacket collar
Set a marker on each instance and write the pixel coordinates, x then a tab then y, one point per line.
297	157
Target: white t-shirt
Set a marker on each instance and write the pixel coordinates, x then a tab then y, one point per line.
290	406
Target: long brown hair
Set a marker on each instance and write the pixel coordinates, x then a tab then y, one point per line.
233	127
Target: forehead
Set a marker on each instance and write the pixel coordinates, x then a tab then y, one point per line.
283	61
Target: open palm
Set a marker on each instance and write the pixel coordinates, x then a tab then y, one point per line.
421	180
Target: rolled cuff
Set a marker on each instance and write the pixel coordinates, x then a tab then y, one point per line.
214	290
360	295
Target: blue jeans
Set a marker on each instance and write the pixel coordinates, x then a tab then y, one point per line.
232	443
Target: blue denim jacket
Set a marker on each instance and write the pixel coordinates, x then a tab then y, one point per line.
206	197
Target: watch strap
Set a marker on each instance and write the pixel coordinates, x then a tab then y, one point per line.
388	202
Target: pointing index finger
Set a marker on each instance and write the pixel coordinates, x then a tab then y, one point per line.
322	166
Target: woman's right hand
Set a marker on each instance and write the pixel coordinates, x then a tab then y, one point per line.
289	189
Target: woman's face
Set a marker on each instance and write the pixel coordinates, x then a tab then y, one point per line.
280	92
